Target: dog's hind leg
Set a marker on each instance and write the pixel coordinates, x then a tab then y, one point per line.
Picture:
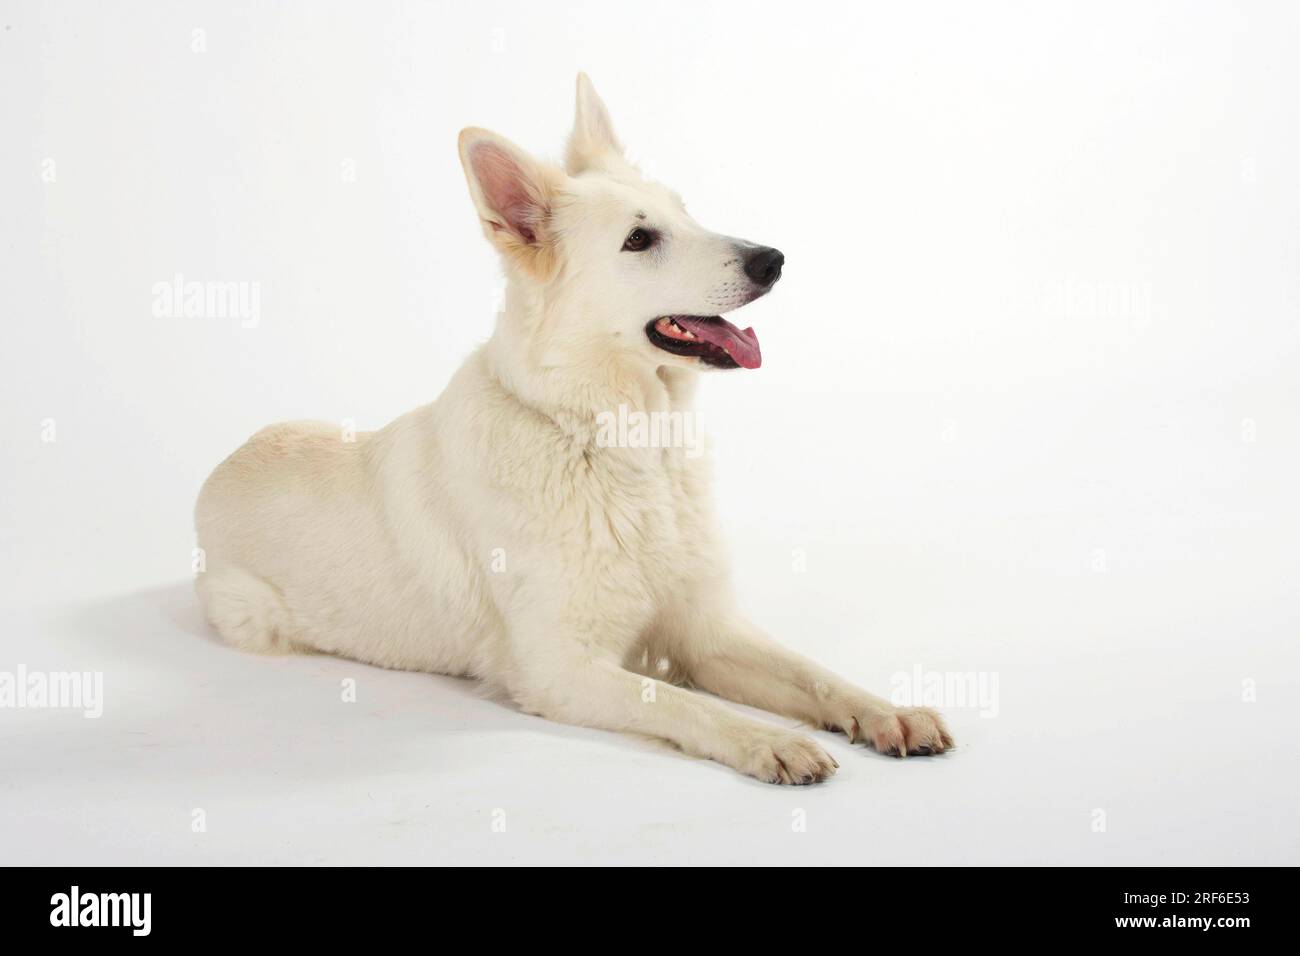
245	610
730	657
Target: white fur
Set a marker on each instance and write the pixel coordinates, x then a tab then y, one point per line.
614	592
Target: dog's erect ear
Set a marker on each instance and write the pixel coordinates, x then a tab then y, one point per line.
592	141
513	194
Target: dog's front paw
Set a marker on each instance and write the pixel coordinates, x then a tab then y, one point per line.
900	731
787	758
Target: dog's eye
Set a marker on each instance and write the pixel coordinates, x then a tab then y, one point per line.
638	240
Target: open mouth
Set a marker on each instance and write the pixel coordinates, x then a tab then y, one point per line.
710	338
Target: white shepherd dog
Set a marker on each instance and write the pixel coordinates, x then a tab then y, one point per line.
490	535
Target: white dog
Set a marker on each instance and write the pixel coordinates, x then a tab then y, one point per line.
492	535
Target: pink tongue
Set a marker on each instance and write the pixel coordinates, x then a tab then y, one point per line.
741	346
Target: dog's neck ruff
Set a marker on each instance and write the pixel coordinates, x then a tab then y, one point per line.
572	383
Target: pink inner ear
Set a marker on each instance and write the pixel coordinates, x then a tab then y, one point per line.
505	188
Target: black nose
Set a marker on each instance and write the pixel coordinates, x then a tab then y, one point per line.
763	265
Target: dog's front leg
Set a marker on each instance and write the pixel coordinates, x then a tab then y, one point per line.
573	685
728	656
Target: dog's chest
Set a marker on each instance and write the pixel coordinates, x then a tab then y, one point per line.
648	511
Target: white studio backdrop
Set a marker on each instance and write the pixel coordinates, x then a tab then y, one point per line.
1028	405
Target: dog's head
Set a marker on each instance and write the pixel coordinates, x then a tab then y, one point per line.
614	260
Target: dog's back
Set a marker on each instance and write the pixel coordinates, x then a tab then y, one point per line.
303	550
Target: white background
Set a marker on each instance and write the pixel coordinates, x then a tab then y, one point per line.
1028	408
